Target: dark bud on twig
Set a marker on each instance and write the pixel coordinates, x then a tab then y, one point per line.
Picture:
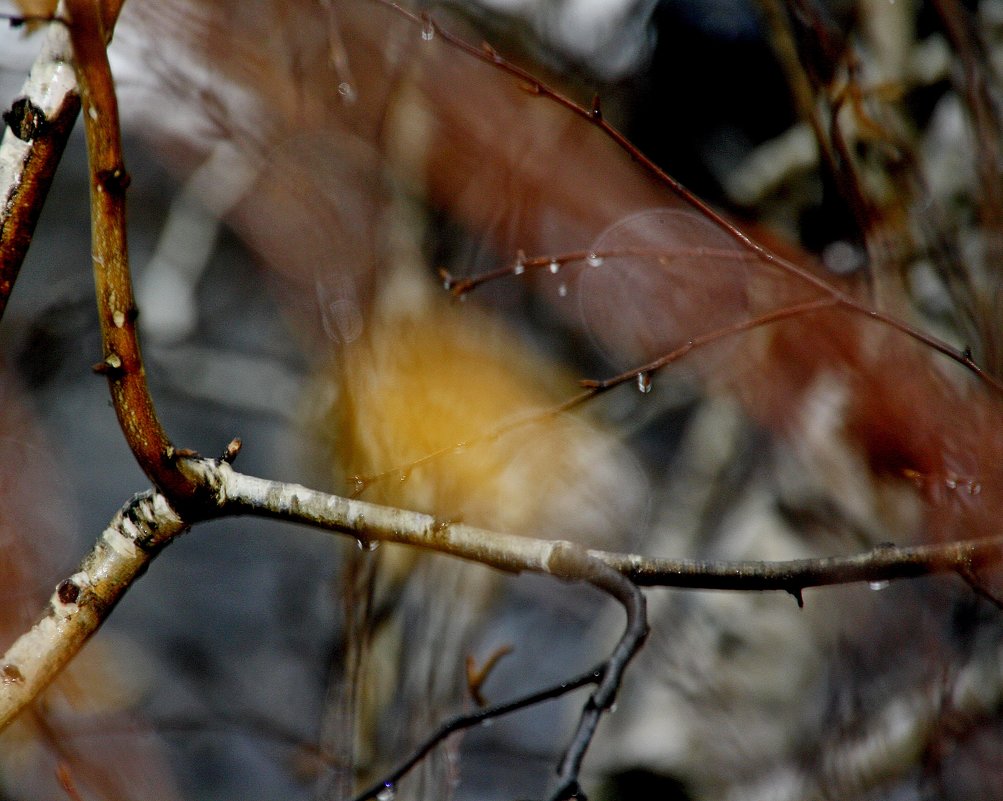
68	592
596	111
114	181
111	366
232	450
26	120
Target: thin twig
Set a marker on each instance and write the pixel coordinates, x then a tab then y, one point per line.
593	114
469	720
574	562
571	563
785	313
593	387
524	264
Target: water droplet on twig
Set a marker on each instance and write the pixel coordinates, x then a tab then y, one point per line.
347	92
554	267
596	111
594	260
878	585
520	263
644	382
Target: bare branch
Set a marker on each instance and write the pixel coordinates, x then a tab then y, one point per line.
237	493
572	563
593	115
147	523
469	720
82	601
122	362
39	124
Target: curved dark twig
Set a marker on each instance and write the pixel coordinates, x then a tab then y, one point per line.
572	563
469	720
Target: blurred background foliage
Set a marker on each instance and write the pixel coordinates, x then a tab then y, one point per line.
300	173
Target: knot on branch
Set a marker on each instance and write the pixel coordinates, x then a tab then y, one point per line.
113	181
26	120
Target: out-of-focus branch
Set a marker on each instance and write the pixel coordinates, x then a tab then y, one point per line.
122	362
888	743
977	92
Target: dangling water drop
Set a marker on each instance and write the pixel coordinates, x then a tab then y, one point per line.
562	290
877	586
367	545
388	793
554	267
594	260
644	382
519	268
428	31
347	92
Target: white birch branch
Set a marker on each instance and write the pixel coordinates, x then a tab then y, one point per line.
147	523
81	603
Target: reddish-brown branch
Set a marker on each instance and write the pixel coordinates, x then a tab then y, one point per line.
122	362
523	264
41	119
774	316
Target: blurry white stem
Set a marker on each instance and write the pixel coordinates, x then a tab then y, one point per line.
165	290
